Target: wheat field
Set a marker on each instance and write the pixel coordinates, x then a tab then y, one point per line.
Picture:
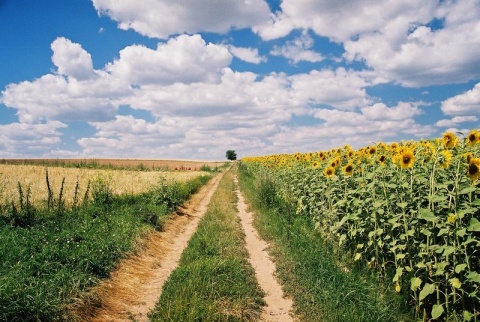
120	181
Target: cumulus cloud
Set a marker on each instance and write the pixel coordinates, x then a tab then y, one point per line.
336	128
393	37
21	140
344	89
184	59
298	49
455	121
467	103
250	55
71	59
162	18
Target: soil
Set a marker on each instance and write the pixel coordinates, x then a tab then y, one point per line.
278	307
135	287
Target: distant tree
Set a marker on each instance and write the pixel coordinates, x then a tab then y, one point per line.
231	155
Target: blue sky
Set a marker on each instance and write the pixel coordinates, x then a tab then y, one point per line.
191	79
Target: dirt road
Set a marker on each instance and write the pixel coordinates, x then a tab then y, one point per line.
135	287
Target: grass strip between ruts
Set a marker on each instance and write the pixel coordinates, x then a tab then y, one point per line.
322	290
214	281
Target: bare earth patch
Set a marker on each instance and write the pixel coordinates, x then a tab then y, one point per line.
135	287
278	307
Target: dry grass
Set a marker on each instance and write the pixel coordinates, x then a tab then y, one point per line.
120	181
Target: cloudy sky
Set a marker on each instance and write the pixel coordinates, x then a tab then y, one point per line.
190	79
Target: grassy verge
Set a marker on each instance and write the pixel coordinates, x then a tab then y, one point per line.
48	257
322	289
214	281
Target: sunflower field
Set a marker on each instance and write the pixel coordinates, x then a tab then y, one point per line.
409	211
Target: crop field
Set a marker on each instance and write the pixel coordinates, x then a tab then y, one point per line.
76	181
407	212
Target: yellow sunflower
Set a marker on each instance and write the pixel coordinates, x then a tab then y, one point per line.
468	157
449	140
406	158
444	158
329	172
322	156
473	169
315	164
382	159
473	137
348	169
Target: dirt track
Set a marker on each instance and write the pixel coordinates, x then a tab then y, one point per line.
133	290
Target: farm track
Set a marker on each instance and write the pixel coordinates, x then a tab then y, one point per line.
278	308
134	288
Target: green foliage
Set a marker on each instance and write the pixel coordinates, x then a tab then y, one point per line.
416	226
231	155
323	289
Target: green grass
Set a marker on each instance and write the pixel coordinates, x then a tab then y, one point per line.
214	281
47	259
322	289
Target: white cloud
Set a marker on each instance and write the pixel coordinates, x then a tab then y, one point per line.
67	99
376	123
341	88
162	18
392	37
184	59
71	59
19	140
298	50
467	103
455	121
250	55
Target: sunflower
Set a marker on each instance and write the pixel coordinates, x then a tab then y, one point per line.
468	157
473	169
329	172
449	140
348	169
335	162
473	137
322	155
406	158
315	164
444	158
382	159
372	150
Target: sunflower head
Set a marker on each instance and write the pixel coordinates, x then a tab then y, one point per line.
348	169
444	158
315	164
473	137
382	159
473	169
329	172
468	157
372	150
322	156
406	158
449	140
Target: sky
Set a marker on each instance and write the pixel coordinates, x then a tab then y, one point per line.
190	79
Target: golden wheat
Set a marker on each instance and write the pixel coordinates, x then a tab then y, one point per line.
120	181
